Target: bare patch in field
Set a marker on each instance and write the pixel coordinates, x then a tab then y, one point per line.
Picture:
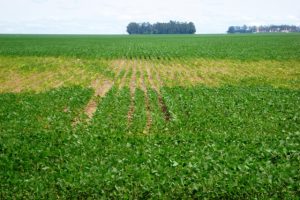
101	88
90	108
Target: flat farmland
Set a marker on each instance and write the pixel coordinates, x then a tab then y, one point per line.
150	117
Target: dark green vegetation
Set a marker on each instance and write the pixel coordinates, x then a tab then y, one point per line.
238	139
222	143
171	27
243	47
264	29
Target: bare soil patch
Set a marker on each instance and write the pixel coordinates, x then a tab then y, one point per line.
101	88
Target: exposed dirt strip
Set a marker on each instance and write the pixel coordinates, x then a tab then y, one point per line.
132	93
101	88
147	104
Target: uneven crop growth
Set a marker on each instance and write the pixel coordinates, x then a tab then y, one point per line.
143	117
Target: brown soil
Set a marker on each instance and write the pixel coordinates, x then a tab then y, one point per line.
90	108
101	88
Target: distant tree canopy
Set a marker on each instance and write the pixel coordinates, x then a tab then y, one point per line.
263	29
171	27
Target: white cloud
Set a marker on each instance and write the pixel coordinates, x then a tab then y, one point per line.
104	17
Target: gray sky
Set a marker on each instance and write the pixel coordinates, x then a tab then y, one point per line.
112	17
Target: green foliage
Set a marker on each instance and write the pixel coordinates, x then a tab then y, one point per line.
237	139
35	134
139	115
229	142
111	114
171	27
243	47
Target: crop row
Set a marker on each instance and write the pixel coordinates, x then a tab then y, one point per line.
219	143
241	47
40	74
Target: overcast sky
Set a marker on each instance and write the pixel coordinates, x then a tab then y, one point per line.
112	16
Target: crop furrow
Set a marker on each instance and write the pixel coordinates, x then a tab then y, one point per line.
132	88
147	104
160	99
122	81
119	66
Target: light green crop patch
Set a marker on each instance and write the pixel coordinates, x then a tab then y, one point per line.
37	74
214	73
285	74
21	74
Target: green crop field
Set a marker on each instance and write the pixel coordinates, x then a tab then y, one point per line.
150	117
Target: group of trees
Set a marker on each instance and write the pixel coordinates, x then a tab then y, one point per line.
263	29
171	27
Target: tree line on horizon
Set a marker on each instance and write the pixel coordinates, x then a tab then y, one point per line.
263	29
172	27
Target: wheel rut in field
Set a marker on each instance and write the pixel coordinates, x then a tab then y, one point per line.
147	103
132	88
156	88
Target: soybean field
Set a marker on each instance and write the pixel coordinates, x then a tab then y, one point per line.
150	116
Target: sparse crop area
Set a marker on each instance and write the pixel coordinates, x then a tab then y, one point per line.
150	117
